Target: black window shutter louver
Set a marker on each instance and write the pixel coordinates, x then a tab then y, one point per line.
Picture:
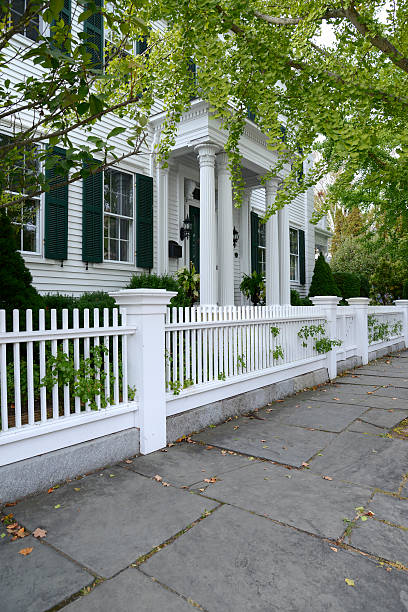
254	242
93	26
92	218
144	221
56	212
302	258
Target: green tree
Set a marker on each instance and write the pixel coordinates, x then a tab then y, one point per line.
323	282
16	290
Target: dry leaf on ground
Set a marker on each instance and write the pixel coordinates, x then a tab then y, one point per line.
327	478
158	478
39	533
210	479
25	551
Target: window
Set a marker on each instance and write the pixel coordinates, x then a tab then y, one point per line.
26	215
320	248
294	254
118	216
17	10
261	248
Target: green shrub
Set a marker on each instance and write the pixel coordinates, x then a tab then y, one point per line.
348	284
323	282
405	291
164	281
296	300
365	287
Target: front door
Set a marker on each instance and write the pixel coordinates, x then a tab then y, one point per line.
194	213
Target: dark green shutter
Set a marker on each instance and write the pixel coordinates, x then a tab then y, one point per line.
56	212
144	221
254	242
93	26
302	258
141	45
92	218
65	13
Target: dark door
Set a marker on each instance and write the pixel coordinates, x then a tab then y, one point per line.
195	237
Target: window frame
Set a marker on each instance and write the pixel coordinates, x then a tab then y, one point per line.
296	255
262	249
132	232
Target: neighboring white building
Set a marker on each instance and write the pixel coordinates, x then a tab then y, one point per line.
127	220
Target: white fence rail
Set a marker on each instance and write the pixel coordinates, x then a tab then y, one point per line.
53	372
385	324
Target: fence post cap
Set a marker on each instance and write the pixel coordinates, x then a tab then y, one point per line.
358	301
155	298
325	300
401	302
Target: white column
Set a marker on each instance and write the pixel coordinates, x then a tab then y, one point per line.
244	234
208	286
272	247
146	310
404	305
328	305
163	206
225	225
284	255
360	307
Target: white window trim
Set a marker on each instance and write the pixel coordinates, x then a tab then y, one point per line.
296	279
132	242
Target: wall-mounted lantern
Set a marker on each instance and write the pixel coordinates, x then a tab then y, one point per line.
185	231
235	236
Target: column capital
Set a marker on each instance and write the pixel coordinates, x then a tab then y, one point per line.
206	153
222	162
272	184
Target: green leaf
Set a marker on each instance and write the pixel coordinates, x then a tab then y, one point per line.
349	581
116	131
85	15
56	6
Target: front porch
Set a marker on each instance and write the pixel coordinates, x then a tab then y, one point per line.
195	190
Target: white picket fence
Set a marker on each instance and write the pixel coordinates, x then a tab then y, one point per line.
209	344
134	369
35	397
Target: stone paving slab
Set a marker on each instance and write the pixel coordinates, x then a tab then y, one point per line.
297	498
111	520
366	428
384	418
397	392
357	389
268	440
377	538
248	563
389	371
367	460
391	509
131	591
38	581
377	380
186	464
322	415
368	400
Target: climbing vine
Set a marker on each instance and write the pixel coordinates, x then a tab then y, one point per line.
322	344
382	331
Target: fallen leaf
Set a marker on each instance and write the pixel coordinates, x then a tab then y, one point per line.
209	447
327	478
304	464
349	581
165	484
201	490
223	452
158	478
57	506
39	533
333	548
2	535
20	533
236	427
77	488
265	446
128	461
389	569
25	551
251	458
210	479
50	490
163	450
10	504
111	475
11	526
336	398
263	440
170	444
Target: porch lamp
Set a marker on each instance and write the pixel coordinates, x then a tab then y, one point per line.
235	236
185	231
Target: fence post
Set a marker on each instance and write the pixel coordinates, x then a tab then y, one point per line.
145	309
360	307
403	304
328	305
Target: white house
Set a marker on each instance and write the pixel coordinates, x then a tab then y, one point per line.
133	218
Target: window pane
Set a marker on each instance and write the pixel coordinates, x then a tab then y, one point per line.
293	267
114	227
114	250
293	241
124	250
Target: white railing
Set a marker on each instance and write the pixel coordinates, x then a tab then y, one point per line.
54	374
209	344
385	325
345	332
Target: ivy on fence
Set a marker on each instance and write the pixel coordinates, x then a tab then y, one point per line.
382	331
322	344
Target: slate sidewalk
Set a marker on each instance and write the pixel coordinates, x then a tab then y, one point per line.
301	506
